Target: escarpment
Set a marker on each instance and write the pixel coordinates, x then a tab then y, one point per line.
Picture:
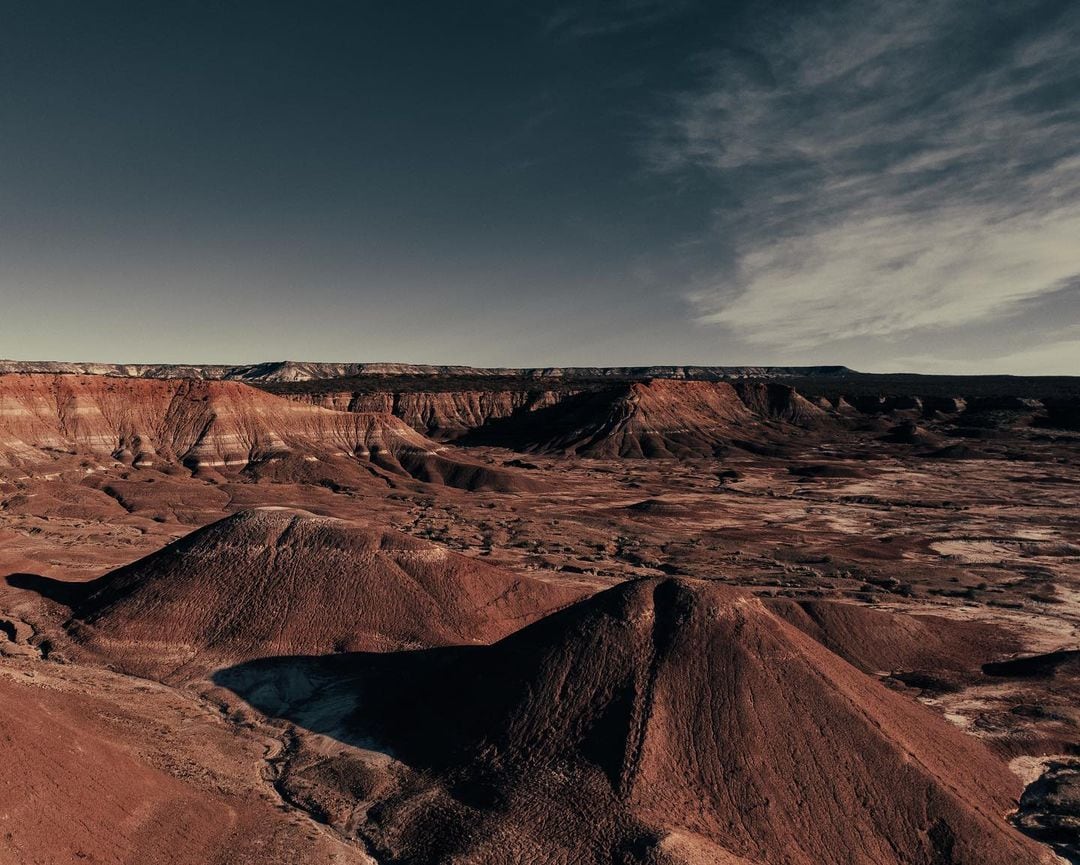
216	426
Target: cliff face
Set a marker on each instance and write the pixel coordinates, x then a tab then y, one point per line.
779	402
220	426
567	415
445	415
588	412
657	419
665	418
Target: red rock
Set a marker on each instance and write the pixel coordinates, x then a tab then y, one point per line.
214	426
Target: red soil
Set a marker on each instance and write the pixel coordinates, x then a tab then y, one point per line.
876	641
282	582
102	769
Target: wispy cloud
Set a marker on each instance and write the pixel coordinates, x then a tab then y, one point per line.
584	20
1052	358
886	168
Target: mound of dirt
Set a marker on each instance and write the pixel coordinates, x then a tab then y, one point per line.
216	427
276	581
1061	414
672	721
877	641
943	405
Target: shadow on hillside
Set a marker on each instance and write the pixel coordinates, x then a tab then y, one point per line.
566	422
59	591
391	702
1048	806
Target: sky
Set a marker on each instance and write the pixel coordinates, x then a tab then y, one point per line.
885	184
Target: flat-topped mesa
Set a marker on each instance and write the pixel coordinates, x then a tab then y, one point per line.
294	371
213	425
661	417
683	721
276	581
306	371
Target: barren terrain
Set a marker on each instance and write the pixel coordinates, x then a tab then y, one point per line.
370	614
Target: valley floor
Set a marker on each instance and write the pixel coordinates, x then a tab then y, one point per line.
988	540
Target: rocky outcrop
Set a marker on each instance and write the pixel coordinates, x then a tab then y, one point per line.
443	415
656	419
946	405
560	419
781	402
910	433
213	426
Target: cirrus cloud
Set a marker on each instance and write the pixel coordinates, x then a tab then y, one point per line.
888	171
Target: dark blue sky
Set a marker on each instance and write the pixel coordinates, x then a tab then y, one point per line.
882	184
